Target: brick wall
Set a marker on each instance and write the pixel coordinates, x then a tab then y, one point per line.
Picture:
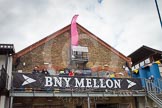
56	53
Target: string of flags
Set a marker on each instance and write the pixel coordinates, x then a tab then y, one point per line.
136	71
158	62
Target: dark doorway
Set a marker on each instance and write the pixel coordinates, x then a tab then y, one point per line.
107	106
50	106
79	106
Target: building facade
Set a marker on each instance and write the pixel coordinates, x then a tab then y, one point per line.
91	75
54	53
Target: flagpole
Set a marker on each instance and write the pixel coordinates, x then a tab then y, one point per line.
158	13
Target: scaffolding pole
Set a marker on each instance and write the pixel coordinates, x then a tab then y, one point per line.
11	102
157	7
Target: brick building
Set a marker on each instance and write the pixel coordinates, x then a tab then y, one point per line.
53	52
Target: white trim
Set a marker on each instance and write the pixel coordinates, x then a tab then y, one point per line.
79	48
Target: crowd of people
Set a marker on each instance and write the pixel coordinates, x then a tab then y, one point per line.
44	71
36	70
72	72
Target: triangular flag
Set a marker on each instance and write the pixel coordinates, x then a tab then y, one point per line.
135	71
158	62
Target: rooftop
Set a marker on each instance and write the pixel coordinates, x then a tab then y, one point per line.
7	49
143	53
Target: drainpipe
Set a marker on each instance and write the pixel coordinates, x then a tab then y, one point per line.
88	102
6	69
11	102
6	62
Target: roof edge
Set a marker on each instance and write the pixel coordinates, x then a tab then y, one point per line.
146	47
42	41
105	44
57	33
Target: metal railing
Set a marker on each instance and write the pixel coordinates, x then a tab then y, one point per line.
154	90
76	93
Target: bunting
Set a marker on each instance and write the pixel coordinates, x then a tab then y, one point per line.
158	62
136	71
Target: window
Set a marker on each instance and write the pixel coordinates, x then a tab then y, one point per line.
79	52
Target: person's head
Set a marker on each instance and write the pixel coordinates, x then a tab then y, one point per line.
36	68
44	69
72	70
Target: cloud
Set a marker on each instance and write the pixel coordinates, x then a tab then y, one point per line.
125	25
100	1
135	34
132	23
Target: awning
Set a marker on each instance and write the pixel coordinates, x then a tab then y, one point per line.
80	48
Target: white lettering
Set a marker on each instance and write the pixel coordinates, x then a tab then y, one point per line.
102	84
109	83
79	83
67	81
117	83
48	81
95	84
57	81
89	82
82	82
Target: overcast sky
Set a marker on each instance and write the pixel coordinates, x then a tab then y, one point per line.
126	25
